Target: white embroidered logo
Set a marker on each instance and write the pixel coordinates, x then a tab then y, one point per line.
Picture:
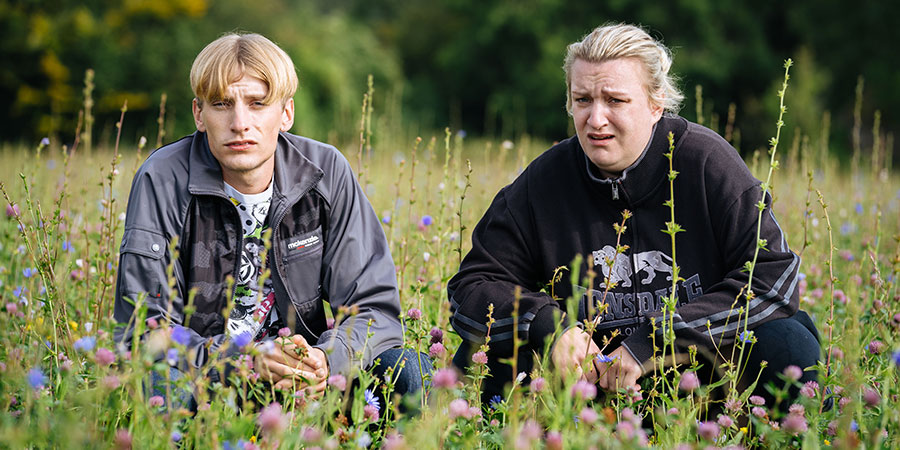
649	262
303	243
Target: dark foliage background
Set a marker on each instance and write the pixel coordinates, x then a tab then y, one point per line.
489	67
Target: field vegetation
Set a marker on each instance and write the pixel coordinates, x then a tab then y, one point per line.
65	383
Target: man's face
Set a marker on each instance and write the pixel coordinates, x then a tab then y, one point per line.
242	131
612	112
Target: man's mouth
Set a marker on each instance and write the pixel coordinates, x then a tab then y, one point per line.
240	145
599	137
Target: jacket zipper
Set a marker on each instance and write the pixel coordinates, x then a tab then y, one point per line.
278	258
615	190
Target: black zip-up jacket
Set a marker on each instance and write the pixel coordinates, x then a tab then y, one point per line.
326	244
560	207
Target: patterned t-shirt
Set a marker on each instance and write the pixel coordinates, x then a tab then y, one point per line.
253	310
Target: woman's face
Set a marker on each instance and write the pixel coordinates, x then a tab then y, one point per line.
612	111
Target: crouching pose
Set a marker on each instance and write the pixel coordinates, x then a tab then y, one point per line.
242	183
622	101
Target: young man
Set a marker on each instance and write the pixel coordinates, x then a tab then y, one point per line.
567	202
242	184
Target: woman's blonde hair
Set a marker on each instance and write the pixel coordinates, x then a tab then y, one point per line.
614	41
233	55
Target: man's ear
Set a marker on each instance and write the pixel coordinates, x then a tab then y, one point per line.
287	116
197	107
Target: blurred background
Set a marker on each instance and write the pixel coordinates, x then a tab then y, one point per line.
482	68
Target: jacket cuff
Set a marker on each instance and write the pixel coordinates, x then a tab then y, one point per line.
337	352
639	344
543	325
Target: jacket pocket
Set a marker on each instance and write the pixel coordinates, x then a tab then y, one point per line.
302	265
143	242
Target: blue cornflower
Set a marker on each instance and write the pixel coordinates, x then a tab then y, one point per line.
241	340
496	401
36	378
67	247
372	400
859	208
604	359
19	291
181	335
854	426
28	272
427	220
897	358
45	142
176	436
172	356
847	228
386	219
364	440
85	344
746	336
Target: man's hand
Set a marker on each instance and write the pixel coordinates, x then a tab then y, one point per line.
621	373
570	350
291	361
314	362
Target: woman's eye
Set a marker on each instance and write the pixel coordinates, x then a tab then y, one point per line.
582	100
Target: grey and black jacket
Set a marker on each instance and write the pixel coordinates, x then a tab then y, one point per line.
327	244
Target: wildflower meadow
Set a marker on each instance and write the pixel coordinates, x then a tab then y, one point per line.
65	383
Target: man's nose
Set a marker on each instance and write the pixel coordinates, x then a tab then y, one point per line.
598	117
240	119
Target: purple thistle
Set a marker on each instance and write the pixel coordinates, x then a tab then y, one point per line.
584	390
794	424
875	347
757	400
338	381
793	372
104	357
436	350
708	430
414	313
36	378
689	382
480	358
12	211
444	378
436	335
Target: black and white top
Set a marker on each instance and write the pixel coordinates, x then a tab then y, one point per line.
252	312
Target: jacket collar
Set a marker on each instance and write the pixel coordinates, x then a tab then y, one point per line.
294	173
641	179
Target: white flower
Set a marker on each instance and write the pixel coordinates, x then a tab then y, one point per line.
426	256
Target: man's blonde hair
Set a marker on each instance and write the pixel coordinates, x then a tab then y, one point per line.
615	41
233	55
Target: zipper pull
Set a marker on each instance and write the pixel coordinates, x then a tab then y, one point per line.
615	190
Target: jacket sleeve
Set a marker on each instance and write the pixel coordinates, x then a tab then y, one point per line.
142	274
713	318
359	274
501	259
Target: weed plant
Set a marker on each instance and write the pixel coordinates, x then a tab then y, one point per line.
64	382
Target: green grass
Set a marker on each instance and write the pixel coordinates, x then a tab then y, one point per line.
58	276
